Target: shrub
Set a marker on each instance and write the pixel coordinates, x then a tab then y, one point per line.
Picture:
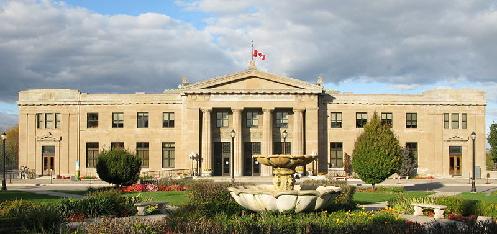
344	200
118	167
30	217
408	164
212	197
377	153
110	225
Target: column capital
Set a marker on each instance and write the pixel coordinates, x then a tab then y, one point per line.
298	109
204	110
236	109
267	109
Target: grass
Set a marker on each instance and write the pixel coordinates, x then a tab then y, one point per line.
176	198
373	197
13	195
77	192
478	196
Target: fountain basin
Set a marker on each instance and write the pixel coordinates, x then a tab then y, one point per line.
264	198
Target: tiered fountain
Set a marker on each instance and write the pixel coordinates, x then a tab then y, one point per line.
284	195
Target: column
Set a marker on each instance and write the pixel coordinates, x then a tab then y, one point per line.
267	139
298	132
206	143
237	126
311	135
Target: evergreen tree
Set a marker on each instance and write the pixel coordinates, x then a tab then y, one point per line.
377	153
408	164
118	167
492	141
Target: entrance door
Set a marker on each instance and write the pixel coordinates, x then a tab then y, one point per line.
48	158
250	166
455	160
222	155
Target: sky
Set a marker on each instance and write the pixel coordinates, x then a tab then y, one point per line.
125	46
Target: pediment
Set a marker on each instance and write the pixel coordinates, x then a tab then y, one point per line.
49	137
456	138
252	81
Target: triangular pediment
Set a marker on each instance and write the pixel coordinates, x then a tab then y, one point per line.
252	81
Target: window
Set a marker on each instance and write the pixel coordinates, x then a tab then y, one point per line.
412	147
455	120
281	119
386	118
40	120
282	148
446	120
336	155
336	119
142	120
117	120
49	120
168	155
464	121
92	120
168	120
142	152
91	154
252	119
411	120
222	119
57	120
116	145
361	119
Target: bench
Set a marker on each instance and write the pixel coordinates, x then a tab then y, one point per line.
140	207
438	209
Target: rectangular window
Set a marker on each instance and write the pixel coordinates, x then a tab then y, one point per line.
361	119
336	155
57	120
281	119
282	148
168	154
222	119
455	120
412	147
252	119
49	120
464	121
168	120
446	120
142	120
92	151
116	145
40	120
411	120
92	120
142	152
117	119
336	119
387	118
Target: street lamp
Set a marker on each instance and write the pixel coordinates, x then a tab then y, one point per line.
4	183
232	156
473	186
284	135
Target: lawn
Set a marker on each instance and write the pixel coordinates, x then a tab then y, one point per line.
77	192
372	197
174	197
13	195
478	196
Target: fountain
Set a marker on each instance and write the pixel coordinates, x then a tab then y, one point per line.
284	195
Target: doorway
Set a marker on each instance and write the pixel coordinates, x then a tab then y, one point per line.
455	160
251	167
222	155
48	159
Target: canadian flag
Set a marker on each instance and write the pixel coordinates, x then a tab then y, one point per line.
256	54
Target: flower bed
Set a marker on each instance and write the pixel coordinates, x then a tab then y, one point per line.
153	188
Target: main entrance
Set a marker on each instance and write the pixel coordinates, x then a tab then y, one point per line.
48	158
455	160
222	155
250	166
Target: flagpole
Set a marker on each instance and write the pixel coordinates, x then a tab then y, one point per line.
252	52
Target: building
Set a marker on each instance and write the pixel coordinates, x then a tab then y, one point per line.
267	113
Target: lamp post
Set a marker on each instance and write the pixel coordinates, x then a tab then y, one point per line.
473	186
284	135
232	161
4	183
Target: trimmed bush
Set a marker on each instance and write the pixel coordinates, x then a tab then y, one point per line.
346	198
118	167
26	216
377	153
212	197
110	225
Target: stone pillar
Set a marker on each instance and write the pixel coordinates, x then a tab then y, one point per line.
311	134
267	139
237	126
206	142
298	132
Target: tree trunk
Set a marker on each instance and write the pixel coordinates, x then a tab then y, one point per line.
374	187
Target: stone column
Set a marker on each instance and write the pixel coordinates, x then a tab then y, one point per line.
311	134
267	139
298	132
206	142
237	126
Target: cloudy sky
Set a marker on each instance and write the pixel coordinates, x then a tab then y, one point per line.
381	46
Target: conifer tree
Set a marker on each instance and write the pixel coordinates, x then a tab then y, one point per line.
492	141
377	153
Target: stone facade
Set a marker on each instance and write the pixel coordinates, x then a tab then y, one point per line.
263	112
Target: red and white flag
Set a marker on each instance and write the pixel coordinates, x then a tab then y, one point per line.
258	54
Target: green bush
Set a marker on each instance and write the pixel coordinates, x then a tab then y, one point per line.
118	167
20	215
111	225
377	153
212	197
346	198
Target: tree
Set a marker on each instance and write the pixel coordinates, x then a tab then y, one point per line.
492	141
377	153
11	147
118	167
408	163
347	165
